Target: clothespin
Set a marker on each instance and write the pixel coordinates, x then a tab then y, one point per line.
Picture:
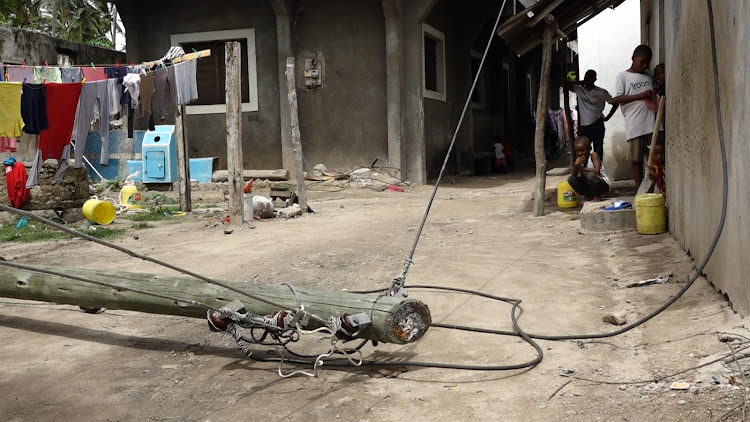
46	64
198	53
117	64
24	80
83	80
44	82
23	62
92	65
131	64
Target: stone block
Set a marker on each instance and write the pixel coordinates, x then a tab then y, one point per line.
595	219
72	192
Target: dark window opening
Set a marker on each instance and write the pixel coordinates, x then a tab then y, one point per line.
211	74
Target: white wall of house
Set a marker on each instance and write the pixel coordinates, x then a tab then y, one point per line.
606	44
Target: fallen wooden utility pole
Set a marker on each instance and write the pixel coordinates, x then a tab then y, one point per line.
394	320
541	117
293	114
234	132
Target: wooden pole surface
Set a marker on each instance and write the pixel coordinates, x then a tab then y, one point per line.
646	183
541	119
294	117
183	163
234	132
394	320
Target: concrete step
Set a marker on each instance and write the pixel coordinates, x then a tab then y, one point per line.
595	219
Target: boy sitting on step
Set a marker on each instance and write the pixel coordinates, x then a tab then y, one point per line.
588	178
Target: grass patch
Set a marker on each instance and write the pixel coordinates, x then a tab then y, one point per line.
142	225
154	214
38	232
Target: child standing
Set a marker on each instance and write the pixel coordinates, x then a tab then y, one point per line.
632	88
588	177
658	170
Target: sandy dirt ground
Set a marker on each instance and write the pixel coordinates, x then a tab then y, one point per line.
58	363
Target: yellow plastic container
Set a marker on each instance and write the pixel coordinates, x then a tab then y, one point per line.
100	212
650	213
566	196
130	196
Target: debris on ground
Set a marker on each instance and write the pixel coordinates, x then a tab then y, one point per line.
658	280
615	318
680	386
290	212
262	207
566	372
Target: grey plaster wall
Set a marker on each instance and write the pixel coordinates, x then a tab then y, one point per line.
149	27
343	123
17	45
693	156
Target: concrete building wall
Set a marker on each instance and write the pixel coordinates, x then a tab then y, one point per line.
606	44
694	183
344	122
149	27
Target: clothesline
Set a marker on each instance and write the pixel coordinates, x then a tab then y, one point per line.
189	56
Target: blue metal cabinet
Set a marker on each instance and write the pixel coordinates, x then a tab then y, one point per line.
160	155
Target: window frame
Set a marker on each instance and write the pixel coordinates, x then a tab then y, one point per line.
439	37
252	74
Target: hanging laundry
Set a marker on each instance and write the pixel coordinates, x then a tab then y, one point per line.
165	82
20	74
119	73
48	74
90	93
94	74
187	87
132	83
11	122
34	108
15	179
114	91
8	144
62	104
148	88
71	75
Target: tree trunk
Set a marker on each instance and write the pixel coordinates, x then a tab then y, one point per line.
394	320
541	120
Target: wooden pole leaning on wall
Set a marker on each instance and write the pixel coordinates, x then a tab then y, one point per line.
646	183
541	118
183	163
394	319
294	116
234	132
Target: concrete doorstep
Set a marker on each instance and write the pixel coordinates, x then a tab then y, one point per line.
595	219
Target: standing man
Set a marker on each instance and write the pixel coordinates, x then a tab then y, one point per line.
591	102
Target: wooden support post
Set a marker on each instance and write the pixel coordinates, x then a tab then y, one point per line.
394	320
294	117
234	132
541	118
566	103
183	163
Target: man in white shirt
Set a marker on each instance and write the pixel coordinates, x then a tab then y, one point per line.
591	102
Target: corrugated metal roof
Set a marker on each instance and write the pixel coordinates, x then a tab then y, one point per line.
524	31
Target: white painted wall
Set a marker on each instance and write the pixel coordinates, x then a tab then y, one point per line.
606	44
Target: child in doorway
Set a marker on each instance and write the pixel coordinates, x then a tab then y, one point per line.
658	170
632	88
588	177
